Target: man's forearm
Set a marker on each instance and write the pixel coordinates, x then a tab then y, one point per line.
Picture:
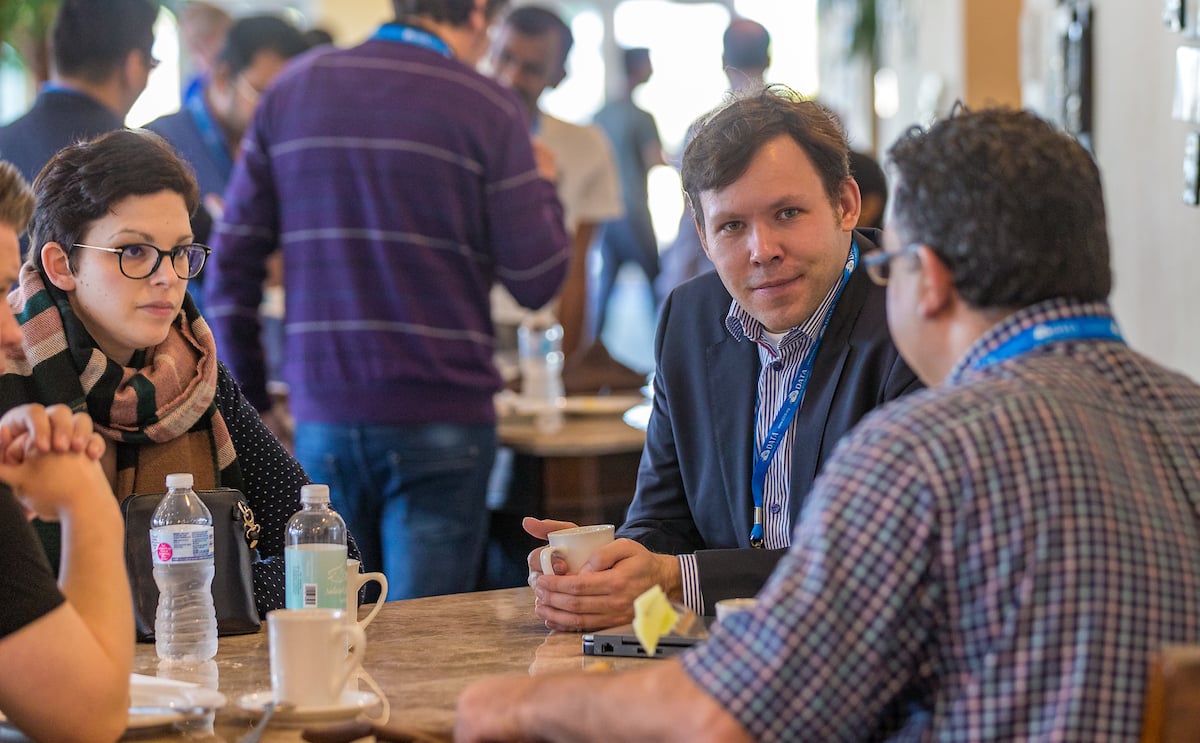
93	578
659	703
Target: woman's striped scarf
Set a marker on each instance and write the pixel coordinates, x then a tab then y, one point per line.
159	412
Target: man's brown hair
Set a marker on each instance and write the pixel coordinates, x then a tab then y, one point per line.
728	139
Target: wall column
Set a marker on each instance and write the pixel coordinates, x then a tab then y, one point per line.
991	50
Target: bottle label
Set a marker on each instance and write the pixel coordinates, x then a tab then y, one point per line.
316	576
177	543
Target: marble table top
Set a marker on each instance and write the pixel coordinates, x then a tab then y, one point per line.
421	654
577	436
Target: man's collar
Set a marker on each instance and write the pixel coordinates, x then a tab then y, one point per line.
420	31
1020	320
744	326
70	87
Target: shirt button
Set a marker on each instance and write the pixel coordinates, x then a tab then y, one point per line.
775	508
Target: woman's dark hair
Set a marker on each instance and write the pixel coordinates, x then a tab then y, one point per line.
82	183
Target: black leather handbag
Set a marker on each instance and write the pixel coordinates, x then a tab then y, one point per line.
235	535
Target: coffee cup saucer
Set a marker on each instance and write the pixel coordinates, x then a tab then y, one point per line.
349	706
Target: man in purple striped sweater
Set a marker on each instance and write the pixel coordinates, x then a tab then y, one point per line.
399	185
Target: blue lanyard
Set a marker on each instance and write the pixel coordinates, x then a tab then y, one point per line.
210	133
1079	327
412	35
787	411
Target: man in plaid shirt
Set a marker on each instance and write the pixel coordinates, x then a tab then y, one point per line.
995	558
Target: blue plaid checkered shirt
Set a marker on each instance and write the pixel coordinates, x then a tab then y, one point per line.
995	559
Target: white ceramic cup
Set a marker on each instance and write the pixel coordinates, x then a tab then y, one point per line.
729	607
575	546
355	581
309	661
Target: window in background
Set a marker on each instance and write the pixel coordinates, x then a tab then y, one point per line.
685	49
793	27
161	95
582	93
684	40
15	94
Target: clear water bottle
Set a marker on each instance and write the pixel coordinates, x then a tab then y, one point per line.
181	542
315	553
539	340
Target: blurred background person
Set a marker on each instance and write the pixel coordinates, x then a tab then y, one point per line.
202	30
529	55
398	184
638	148
207	130
745	56
101	61
872	185
315	37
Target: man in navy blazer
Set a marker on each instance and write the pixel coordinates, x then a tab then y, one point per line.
789	324
102	61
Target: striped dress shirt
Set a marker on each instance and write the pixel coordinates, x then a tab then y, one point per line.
777	371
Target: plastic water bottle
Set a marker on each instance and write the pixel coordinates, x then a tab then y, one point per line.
181	541
539	340
315	553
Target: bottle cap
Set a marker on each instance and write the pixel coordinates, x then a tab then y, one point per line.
314	494
179	480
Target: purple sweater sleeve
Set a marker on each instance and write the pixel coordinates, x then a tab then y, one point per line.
526	223
242	241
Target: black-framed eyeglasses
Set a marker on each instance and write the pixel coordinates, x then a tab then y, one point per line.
140	261
878	263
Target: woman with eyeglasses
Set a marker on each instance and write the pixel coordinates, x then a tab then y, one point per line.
108	327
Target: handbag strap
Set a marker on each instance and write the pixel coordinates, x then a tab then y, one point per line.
251	528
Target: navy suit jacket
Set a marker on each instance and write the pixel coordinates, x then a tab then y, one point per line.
58	118
182	131
693	488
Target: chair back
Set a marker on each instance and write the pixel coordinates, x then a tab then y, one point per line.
1171	713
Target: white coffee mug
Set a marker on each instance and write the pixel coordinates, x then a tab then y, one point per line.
309	661
355	581
729	607
575	546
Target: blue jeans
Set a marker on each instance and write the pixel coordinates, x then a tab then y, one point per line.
414	497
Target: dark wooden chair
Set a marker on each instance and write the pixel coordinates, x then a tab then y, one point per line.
1171	713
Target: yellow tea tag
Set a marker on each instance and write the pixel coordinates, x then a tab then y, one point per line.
653	617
